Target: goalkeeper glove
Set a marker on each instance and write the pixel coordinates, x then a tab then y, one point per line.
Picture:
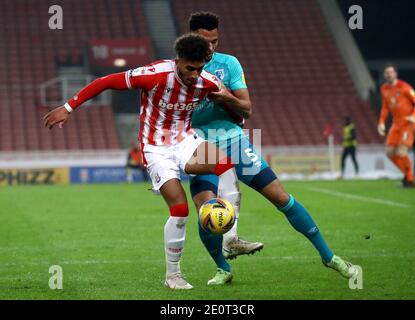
381	129
410	118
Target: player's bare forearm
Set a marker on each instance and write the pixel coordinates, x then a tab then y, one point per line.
384	113
382	119
241	107
239	101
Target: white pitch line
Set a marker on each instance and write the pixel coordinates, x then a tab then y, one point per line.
354	254
67	262
360	198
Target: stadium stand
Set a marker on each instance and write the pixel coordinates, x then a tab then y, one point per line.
297	79
31	53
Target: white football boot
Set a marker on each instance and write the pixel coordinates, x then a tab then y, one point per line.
177	282
237	246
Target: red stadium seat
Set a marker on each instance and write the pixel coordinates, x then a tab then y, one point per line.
284	69
32	56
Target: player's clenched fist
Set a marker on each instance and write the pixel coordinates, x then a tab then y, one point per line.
221	96
381	129
57	116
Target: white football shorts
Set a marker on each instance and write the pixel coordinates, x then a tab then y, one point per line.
165	162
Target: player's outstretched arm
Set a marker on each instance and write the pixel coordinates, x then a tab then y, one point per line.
61	114
239	101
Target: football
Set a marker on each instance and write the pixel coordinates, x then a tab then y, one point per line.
217	216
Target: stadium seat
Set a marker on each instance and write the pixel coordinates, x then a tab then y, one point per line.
293	69
32	57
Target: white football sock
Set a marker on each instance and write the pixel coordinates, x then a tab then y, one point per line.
174	236
229	181
228	189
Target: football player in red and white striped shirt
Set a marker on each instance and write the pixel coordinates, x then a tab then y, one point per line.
170	90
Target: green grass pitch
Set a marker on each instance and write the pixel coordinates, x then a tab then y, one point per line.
109	241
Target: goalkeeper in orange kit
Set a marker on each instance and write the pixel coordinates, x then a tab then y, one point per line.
398	98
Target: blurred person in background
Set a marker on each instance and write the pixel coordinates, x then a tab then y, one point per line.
349	145
398	98
135	162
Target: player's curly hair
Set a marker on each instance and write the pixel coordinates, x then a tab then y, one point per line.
192	47
203	20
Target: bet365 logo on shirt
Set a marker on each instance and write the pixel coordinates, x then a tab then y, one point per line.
178	106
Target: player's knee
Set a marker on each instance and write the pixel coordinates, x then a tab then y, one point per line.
281	195
282	198
276	194
402	151
179	210
200	198
198	205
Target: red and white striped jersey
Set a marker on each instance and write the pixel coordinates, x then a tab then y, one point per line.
167	103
